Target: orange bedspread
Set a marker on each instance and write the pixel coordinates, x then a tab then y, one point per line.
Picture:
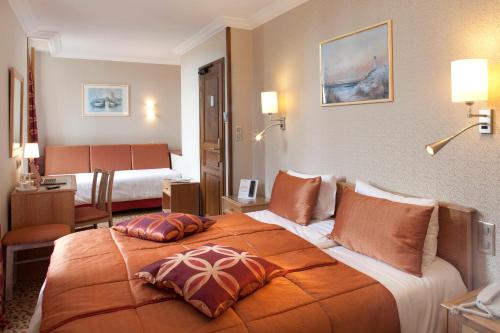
91	287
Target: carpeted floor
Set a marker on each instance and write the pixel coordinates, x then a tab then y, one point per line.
20	309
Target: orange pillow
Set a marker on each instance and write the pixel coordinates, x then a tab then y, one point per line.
389	231
294	198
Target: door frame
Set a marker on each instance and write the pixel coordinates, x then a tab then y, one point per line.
203	70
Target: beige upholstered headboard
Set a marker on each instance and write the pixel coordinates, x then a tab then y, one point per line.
455	235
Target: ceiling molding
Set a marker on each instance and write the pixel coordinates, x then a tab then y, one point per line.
47	41
272	11
110	57
24	15
217	25
275	9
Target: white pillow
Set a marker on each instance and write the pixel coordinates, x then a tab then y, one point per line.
325	207
431	241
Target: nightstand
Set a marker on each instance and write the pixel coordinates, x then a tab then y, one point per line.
44	206
181	197
465	322
231	204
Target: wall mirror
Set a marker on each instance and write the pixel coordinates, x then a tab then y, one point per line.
16	99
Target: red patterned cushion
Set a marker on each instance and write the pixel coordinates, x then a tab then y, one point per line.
164	227
211	277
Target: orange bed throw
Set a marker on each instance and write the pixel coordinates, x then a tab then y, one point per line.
91	287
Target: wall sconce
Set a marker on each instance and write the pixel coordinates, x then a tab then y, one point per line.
469	84
150	110
269	103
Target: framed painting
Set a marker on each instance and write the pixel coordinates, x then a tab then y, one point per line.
356	68
105	100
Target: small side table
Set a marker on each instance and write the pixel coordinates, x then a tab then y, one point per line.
232	204
181	197
44	206
465	322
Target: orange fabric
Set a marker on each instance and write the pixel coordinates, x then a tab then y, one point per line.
294	198
110	157
91	286
150	156
386	230
66	159
84	214
36	234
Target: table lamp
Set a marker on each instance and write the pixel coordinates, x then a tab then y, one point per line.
31	152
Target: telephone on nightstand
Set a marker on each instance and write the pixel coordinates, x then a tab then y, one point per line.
488	301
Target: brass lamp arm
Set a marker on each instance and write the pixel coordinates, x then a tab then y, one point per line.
433	148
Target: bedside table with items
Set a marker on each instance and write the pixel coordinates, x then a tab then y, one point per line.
232	204
181	197
460	322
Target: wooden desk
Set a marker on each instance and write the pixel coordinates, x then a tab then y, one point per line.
232	204
44	206
465	322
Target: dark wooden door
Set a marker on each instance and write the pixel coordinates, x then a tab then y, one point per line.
211	81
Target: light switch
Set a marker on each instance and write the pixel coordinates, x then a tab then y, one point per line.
486	237
239	133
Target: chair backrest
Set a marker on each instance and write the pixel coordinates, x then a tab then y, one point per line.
104	197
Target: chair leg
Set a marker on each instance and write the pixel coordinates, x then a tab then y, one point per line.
110	222
9	274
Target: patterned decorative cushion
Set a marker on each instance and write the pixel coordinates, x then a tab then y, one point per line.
211	277
164	227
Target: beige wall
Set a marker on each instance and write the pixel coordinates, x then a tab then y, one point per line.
12	54
242	100
384	143
59	98
211	50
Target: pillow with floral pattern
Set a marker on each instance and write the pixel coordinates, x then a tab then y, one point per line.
164	227
211	277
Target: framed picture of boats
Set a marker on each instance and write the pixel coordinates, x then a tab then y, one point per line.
356	68
105	100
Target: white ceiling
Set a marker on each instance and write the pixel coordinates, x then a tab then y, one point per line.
151	31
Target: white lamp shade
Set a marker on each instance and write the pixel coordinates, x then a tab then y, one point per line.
269	101
469	80
31	150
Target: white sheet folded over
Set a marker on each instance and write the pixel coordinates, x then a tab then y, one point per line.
418	299
128	185
316	232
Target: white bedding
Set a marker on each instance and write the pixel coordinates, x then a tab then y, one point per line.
128	185
316	232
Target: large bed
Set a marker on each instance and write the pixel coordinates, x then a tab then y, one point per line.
91	285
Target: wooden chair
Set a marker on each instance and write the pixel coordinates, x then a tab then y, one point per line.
100	209
26	238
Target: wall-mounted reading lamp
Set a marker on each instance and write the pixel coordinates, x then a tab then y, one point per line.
469	84
269	102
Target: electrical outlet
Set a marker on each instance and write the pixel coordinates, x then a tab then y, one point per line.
239	133
486	118
486	237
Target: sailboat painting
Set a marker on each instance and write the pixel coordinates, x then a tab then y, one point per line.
356	68
105	100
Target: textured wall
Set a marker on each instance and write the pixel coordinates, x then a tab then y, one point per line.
384	143
59	98
12	54
243	99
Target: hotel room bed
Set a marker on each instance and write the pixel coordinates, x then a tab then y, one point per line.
412	302
139	171
128	185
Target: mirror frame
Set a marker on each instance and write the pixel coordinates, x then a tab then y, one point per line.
14	75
